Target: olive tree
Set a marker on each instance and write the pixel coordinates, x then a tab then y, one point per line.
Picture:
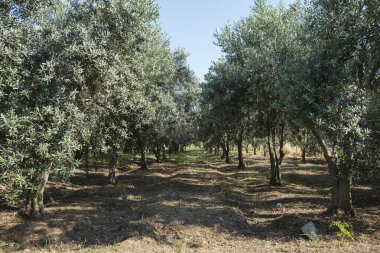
39	124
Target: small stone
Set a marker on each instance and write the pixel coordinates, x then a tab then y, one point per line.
310	231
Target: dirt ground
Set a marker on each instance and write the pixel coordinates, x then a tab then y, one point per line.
196	205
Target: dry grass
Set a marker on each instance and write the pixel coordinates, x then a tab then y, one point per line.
200	205
292	150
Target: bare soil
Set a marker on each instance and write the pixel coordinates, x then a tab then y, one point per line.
200	205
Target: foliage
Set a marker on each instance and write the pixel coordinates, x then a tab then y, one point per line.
40	119
343	233
284	77
85	76
179	158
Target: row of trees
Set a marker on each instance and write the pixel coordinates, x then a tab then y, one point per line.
81	77
291	73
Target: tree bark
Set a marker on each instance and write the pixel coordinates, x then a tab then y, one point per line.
274	170
276	159
143	165
341	178
241	165
113	166
254	146
227	155
223	145
303	159
33	206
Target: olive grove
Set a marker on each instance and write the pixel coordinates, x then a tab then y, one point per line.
83	77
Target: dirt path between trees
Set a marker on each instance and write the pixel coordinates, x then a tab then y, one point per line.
195	206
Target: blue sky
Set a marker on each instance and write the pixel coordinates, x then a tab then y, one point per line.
191	24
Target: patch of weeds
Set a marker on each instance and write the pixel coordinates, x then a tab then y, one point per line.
314	236
3	245
263	164
206	157
343	233
179	158
181	245
228	192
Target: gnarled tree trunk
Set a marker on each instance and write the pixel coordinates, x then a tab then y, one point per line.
33	206
275	157
340	177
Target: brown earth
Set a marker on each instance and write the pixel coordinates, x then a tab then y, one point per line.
198	205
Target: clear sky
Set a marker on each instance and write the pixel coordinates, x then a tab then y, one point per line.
191	24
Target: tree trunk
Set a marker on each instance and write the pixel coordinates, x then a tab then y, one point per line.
341	178
227	155
276	159
247	148
274	170
223	145
144	165
33	206
158	158
303	159
164	152
113	166
157	154
241	165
